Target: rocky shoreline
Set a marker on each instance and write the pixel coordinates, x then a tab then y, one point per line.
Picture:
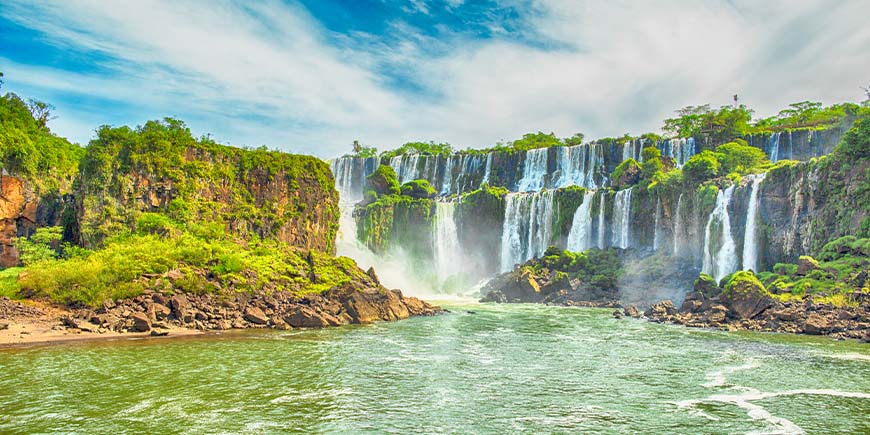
805	317
160	314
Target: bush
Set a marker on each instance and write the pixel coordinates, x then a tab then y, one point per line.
856	141
740	158
40	246
701	167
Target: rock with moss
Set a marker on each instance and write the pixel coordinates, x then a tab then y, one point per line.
418	189
745	296
383	181
627	174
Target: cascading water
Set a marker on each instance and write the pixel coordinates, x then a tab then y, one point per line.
681	150
601	228
447	250
722	261
528	227
773	147
678	225
534	170
580	236
750	242
656	231
447	177
487	169
621	219
577	165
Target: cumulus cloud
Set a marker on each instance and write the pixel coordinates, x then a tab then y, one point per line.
270	73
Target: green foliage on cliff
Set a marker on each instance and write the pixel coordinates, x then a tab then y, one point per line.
626	173
418	189
202	261
28	149
427	148
701	167
161	167
396	220
807	114
835	277
595	267
856	141
383	181
720	125
741	158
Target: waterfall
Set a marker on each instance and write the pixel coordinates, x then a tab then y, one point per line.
576	166
488	169
534	170
678	225
773	147
601	230
656	232
448	252
681	150
723	261
528	227
350	174
405	167
621	218
580	237
447	176
750	242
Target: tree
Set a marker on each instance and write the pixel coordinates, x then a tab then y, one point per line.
740	157
576	139
40	246
701	167
40	111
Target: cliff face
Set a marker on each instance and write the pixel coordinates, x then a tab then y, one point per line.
160	168
804	206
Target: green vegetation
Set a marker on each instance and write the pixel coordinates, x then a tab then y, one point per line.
40	246
363	151
418	189
626	173
835	277
161	167
29	150
383	181
596	268
9	282
205	260
426	148
807	114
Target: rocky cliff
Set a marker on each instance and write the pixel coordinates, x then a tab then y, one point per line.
160	167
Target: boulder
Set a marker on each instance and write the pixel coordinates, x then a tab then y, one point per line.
159	332
745	296
632	311
817	324
141	323
806	264
180	305
256	315
304	317
661	310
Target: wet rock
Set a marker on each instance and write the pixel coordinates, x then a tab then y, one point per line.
662	310
746	298
632	311
617	314
159	332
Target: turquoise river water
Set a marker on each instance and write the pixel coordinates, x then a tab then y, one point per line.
482	369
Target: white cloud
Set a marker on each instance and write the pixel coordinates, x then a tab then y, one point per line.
268	74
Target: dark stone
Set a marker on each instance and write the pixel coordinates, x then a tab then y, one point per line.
141	323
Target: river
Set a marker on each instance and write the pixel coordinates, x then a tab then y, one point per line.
481	369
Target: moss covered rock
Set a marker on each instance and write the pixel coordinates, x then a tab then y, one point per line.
418	189
626	174
383	181
745	296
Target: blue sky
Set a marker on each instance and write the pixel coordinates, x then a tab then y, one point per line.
311	76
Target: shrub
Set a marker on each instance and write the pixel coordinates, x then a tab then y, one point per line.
40	246
701	167
740	158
